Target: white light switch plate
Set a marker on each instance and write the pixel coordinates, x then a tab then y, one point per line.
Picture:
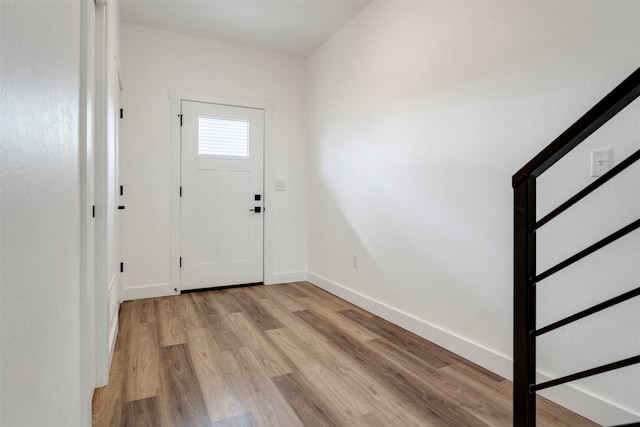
601	162
280	186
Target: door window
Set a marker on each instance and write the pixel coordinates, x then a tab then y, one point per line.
223	137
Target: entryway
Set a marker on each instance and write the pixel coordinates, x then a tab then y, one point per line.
221	195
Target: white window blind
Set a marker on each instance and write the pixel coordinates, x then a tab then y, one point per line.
223	137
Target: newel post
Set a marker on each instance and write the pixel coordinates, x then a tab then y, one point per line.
524	303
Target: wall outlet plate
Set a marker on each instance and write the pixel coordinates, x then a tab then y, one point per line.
601	161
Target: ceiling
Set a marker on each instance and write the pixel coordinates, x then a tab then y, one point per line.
292	26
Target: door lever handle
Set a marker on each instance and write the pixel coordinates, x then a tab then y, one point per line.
257	209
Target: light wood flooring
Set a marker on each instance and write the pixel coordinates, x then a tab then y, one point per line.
291	355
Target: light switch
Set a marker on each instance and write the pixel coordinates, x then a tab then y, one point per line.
280	186
601	162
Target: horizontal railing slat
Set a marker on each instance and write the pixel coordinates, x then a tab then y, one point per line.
588	373
591	249
589	311
588	189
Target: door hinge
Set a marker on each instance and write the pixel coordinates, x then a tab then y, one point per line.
181	191
122	267
180	115
122	113
180	262
93	211
122	190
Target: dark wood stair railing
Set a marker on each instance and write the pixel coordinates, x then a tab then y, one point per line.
525	226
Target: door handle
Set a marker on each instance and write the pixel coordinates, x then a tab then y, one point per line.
257	209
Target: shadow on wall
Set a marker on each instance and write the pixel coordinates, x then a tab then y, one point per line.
406	237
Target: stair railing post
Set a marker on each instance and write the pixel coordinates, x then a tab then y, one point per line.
524	352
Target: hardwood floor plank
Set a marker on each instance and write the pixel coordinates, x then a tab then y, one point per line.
291	355
288	299
444	412
267	405
497	389
244	420
385	399
377	419
170	328
436	356
291	289
141	413
272	360
322	296
188	312
346	397
259	293
494	411
303	331
247	333
199	297
142	367
217	323
217	388
227	301
256	312
143	311
550	414
416	365
107	401
484	378
125	317
354	329
311	407
182	403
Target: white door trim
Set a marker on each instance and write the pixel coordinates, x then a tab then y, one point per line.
87	200
106	134
102	333
176	96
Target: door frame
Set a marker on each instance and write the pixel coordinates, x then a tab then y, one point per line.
107	88
100	141
176	96
88	357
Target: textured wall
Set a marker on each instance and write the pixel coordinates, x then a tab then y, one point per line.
39	219
420	113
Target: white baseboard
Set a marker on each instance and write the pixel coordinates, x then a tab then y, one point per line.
165	289
288	277
112	340
148	291
114	308
572	398
589	406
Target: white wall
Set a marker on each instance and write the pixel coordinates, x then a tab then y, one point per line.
420	113
40	218
152	63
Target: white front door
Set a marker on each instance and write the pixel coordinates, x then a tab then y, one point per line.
222	195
